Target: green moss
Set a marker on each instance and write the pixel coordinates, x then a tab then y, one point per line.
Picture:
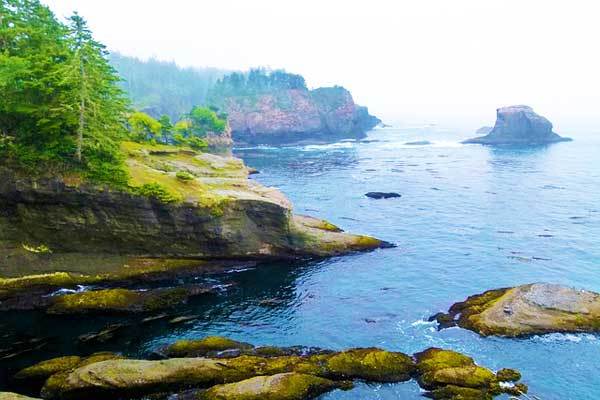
452	392
117	300
45	369
289	386
508	375
157	191
184	176
202	347
471	376
434	359
370	364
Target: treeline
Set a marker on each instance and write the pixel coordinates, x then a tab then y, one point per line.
255	81
163	88
62	106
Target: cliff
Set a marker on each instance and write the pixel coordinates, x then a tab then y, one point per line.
180	204
519	125
278	108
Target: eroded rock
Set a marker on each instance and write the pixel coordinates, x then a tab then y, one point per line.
528	310
519	125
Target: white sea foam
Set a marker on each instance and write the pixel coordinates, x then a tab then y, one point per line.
565	337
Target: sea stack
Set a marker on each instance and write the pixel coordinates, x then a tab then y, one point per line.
519	125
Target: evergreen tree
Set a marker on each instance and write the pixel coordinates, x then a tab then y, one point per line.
98	101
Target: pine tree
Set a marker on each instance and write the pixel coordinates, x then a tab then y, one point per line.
95	96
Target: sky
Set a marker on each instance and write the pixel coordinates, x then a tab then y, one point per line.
435	61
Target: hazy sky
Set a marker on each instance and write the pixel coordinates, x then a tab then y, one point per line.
407	60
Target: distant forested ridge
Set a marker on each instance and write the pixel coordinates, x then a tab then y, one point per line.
163	88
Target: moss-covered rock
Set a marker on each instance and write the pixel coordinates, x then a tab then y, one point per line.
508	375
451	375
452	392
45	369
528	310
121	300
14	396
372	364
287	386
208	346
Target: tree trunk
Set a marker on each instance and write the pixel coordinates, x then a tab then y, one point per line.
81	112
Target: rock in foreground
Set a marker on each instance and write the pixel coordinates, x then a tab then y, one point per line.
519	125
526	310
269	373
289	386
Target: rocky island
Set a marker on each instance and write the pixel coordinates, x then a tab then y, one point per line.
518	125
277	108
526	310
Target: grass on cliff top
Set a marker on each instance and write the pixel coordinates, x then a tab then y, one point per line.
174	174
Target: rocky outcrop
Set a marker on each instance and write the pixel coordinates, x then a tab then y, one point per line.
180	204
289	116
526	310
451	375
443	374
288	386
519	125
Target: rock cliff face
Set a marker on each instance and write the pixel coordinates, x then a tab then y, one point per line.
206	208
519	125
287	116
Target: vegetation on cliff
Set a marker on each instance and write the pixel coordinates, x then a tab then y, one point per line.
62	107
163	88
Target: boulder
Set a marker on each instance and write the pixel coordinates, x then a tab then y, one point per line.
519	125
287	386
528	310
447	374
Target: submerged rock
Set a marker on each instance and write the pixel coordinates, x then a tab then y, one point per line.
123	300
382	195
519	125
287	386
418	143
528	310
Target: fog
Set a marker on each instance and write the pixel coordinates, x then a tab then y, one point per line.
438	61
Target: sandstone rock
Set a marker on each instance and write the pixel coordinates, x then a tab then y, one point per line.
297	115
519	125
528	310
95	234
287	386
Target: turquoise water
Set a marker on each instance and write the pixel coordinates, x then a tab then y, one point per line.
471	218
